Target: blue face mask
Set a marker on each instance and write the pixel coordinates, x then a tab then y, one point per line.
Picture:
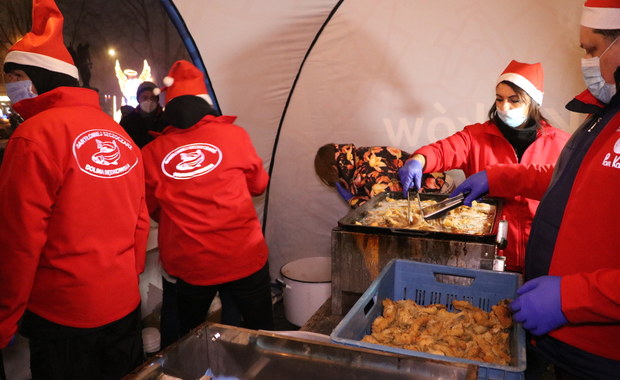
19	90
513	117
591	70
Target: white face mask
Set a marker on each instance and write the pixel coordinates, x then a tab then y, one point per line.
148	106
19	90
591	70
513	117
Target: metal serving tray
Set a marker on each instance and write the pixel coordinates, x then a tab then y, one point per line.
348	222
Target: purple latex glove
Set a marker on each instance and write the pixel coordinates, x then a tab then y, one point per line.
411	175
475	186
344	193
539	305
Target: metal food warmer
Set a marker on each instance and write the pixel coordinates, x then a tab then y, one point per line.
214	351
359	252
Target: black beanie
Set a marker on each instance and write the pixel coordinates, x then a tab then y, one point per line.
43	80
186	110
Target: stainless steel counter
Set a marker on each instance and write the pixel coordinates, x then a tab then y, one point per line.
225	352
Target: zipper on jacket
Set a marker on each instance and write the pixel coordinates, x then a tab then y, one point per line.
594	124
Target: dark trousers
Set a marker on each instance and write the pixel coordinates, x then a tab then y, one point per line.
571	363
59	352
169	326
170	330
251	294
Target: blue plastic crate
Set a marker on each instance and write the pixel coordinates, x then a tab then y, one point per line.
428	284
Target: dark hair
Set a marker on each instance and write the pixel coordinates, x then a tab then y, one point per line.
534	113
325	164
611	34
186	110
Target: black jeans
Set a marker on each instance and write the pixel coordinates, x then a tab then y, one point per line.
60	352
252	295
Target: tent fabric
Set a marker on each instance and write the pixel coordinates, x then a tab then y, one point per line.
396	72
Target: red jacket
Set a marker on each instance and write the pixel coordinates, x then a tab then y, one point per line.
74	222
199	187
477	147
586	250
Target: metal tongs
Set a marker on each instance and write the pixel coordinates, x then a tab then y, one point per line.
440	208
409	213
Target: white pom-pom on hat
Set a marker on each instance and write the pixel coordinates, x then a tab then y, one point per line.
168	81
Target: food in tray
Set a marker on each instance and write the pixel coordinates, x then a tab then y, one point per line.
469	333
392	213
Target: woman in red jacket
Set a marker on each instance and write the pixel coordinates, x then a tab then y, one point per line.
516	132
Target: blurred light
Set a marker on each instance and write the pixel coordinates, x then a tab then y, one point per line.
112	52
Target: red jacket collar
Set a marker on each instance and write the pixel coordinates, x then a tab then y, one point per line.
61	96
585	103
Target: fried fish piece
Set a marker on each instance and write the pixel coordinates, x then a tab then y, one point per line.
469	332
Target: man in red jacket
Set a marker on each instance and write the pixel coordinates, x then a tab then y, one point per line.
201	174
571	301
73	216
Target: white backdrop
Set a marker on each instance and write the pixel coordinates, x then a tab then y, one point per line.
391	72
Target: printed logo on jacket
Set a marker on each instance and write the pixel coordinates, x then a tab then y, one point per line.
192	160
104	154
613	161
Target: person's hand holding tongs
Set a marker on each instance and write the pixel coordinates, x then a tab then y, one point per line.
473	188
411	175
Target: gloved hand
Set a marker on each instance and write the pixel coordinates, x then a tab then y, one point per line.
539	305
411	175
344	193
475	186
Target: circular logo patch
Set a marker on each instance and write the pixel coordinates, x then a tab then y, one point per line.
193	160
104	154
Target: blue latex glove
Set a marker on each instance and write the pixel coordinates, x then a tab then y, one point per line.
475	186
411	175
539	305
344	193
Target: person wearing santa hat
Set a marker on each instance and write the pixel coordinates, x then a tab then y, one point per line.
74	217
201	175
516	132
571	299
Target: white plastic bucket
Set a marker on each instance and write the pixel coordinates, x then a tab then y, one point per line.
307	285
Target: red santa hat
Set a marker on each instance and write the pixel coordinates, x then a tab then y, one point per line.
529	77
601	14
183	79
44	46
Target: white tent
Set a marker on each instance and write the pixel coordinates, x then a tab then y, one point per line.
300	74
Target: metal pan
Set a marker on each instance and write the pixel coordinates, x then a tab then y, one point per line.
349	221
